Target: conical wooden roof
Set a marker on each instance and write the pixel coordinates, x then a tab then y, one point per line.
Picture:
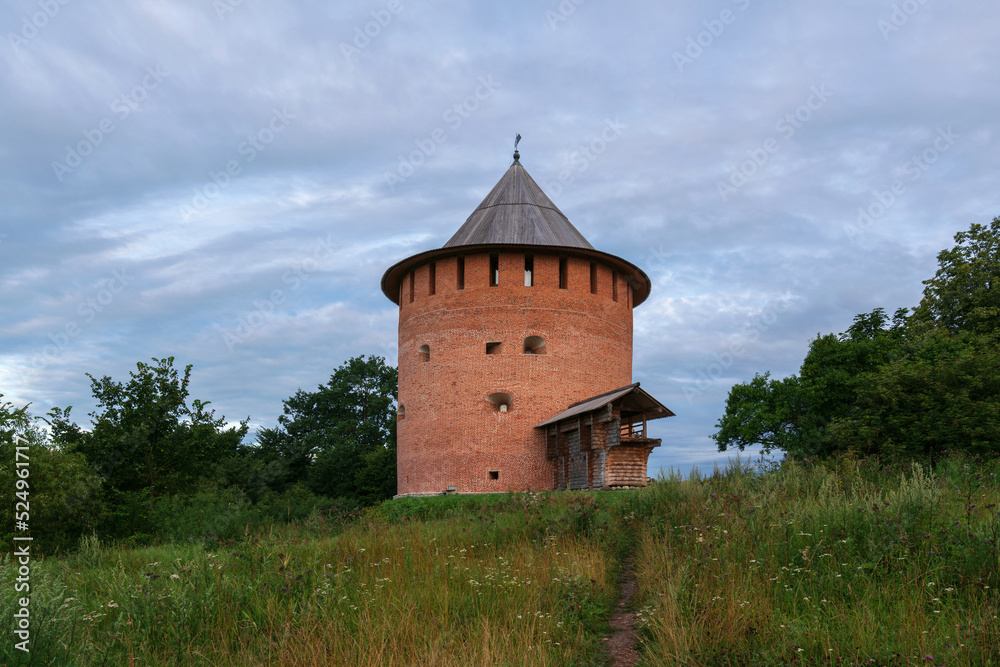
518	216
517	212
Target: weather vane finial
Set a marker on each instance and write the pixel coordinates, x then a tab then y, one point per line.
517	156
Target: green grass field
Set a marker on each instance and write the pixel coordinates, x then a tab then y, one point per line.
843	563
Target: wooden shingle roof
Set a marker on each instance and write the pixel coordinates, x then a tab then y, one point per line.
517	212
517	216
631	398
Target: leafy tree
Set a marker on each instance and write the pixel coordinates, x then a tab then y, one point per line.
256	476
289	457
62	488
913	388
14	421
944	396
341	438
762	412
145	436
793	414
964	294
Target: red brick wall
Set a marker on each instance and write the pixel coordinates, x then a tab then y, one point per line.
451	436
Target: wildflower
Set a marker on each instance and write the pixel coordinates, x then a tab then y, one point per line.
175	576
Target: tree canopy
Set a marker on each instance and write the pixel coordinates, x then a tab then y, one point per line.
145	435
341	438
155	463
912	387
964	294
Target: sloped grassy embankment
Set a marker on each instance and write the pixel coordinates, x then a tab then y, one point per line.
847	563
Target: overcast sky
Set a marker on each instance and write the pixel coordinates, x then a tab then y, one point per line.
226	181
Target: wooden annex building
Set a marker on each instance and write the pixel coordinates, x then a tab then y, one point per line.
601	442
515	355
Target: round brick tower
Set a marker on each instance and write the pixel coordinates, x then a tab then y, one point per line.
515	318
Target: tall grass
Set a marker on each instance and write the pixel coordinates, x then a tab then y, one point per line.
531	585
847	563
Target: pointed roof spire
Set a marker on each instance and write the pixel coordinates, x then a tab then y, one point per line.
516	211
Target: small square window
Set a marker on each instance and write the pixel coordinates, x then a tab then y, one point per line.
494	474
493	347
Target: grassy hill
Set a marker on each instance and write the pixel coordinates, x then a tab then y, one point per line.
840	563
